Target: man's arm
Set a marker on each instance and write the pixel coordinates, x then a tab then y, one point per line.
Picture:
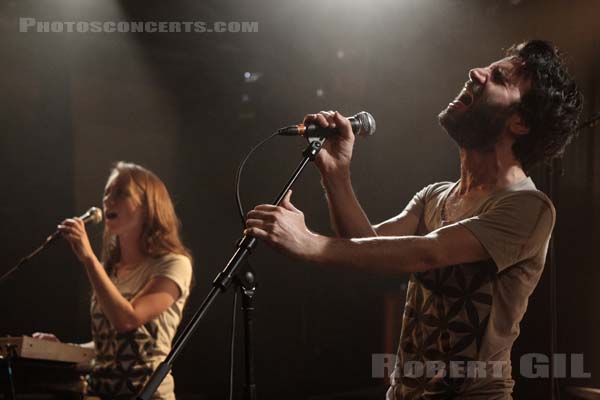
333	161
451	245
347	217
350	221
283	227
404	224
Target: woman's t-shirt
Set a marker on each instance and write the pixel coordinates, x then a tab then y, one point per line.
124	361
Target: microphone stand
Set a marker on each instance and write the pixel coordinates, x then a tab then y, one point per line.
246	282
222	282
92	215
28	257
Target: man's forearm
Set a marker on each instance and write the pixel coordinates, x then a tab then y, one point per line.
401	254
347	216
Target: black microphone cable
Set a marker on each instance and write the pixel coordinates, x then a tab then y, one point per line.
238	199
363	124
238	175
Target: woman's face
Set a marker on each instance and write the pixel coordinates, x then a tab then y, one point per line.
123	209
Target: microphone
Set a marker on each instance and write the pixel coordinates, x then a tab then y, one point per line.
93	215
363	124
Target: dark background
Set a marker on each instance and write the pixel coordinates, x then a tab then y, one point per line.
178	103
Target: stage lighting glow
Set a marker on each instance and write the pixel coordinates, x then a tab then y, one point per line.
250	77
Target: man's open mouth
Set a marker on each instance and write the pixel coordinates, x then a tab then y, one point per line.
466	98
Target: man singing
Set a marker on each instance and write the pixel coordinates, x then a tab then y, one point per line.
475	248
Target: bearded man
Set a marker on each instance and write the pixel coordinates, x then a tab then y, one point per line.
475	248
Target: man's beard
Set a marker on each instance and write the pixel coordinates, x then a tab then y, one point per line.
477	128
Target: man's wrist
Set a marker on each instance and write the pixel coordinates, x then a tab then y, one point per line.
336	180
318	248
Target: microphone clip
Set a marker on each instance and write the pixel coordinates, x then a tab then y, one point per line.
314	146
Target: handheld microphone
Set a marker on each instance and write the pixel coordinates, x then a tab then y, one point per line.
363	124
93	215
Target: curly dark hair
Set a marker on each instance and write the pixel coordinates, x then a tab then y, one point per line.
550	108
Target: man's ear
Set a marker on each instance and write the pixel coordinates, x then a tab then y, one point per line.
516	125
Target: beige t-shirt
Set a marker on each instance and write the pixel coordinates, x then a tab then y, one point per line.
124	361
467	316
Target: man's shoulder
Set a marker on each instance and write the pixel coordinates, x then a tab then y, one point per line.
435	189
524	192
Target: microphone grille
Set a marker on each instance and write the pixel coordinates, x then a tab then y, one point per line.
367	123
95	215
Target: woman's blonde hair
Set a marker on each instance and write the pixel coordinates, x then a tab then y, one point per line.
161	228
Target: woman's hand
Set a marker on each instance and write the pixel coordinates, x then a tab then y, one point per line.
45	336
73	230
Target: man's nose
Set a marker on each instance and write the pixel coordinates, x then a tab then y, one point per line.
478	75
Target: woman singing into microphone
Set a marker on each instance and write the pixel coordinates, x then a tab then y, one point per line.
141	285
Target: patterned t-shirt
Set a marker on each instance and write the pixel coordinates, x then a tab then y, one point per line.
460	321
124	361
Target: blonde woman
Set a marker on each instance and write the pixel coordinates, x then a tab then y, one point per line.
141	285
